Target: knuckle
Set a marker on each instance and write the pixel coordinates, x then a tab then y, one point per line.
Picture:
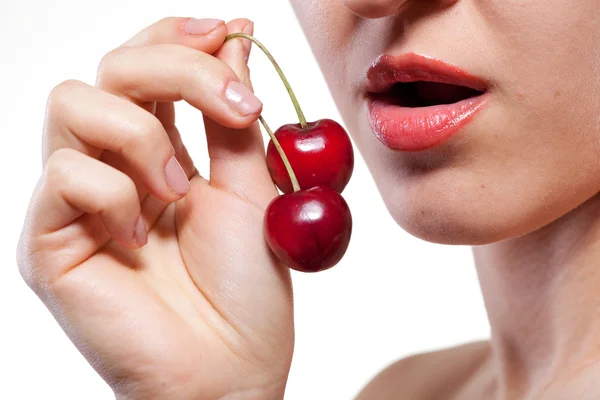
127	187
107	63
60	95
201	67
143	132
121	193
198	65
167	21
59	167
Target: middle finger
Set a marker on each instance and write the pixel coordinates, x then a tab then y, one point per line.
121	127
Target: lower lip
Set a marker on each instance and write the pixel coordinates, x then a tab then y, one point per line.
420	128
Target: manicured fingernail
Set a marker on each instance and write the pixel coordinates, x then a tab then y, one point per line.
176	179
248	30
201	26
139	234
241	100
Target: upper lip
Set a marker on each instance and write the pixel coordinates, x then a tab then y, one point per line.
388	70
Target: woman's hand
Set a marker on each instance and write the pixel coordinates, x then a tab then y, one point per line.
203	310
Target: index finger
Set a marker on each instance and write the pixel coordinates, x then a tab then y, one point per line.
206	34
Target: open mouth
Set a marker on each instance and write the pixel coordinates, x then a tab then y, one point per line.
425	94
416	102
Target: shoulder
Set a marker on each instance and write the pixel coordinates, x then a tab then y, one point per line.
411	377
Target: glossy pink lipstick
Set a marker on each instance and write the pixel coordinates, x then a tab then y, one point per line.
416	102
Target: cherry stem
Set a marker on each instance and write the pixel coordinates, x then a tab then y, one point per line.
301	117
284	158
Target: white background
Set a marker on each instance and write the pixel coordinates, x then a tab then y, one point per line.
391	296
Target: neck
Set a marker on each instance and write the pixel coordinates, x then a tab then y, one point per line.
542	295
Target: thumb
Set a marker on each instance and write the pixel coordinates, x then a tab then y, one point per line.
238	156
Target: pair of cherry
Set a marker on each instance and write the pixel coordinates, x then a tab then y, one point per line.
308	227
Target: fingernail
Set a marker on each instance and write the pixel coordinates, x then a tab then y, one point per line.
176	179
139	234
241	100
201	26
248	30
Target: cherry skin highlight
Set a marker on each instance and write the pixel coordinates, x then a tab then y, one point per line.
320	154
309	230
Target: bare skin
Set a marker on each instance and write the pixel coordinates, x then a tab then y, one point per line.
162	279
519	182
452	373
545	333
171	309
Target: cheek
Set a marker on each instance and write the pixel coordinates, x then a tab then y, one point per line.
327	25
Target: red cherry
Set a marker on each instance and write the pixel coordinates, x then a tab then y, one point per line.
309	230
320	154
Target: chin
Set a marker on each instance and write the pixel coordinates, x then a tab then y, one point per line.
437	226
444	230
446	215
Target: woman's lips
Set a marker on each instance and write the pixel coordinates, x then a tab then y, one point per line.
414	128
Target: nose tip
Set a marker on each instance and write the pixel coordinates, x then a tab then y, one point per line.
374	8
